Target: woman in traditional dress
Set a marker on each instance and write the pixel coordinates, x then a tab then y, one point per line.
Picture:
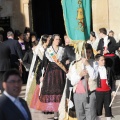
54	77
35	102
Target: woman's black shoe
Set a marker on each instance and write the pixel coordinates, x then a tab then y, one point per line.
45	112
51	112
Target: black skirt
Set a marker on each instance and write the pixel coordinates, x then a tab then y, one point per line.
53	84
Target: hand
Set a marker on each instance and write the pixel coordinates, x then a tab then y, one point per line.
41	79
119	48
70	104
67	62
113	93
85	61
98	52
83	73
20	61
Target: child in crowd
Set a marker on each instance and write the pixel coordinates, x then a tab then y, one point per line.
105	84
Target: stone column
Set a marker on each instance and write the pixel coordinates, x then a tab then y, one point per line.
100	14
114	17
26	14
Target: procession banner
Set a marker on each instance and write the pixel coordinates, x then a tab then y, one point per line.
77	18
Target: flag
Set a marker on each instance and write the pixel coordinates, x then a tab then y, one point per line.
77	19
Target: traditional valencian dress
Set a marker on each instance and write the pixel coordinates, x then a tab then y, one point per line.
54	80
35	102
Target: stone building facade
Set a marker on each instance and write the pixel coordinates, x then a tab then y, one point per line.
18	11
105	13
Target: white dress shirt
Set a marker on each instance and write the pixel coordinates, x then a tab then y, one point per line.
102	71
106	41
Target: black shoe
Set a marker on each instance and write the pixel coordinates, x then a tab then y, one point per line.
45	112
51	112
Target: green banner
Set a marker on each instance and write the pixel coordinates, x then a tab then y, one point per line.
77	18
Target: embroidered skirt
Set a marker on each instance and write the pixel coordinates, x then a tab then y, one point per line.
52	89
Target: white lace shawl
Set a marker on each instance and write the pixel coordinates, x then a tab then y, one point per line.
50	51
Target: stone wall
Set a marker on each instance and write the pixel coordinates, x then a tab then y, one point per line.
106	13
18	10
114	17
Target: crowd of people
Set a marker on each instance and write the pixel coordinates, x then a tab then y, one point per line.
79	87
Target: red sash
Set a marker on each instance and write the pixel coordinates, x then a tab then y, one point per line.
104	86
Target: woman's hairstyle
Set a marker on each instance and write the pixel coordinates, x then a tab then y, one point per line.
93	34
97	57
52	39
44	38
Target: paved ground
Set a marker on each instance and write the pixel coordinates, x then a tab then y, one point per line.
37	115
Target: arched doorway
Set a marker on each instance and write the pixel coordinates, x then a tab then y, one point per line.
48	17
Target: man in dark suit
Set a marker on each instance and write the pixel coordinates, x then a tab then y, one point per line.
107	44
11	106
4	60
16	52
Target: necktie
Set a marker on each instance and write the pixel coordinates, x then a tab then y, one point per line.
21	108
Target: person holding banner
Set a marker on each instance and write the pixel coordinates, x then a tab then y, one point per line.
105	84
54	77
84	82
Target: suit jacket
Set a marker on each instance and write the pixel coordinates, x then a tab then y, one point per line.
16	52
4	57
111	45
27	60
9	111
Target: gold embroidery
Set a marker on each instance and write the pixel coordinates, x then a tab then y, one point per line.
80	16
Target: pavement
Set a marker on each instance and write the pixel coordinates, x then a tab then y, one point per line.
38	115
